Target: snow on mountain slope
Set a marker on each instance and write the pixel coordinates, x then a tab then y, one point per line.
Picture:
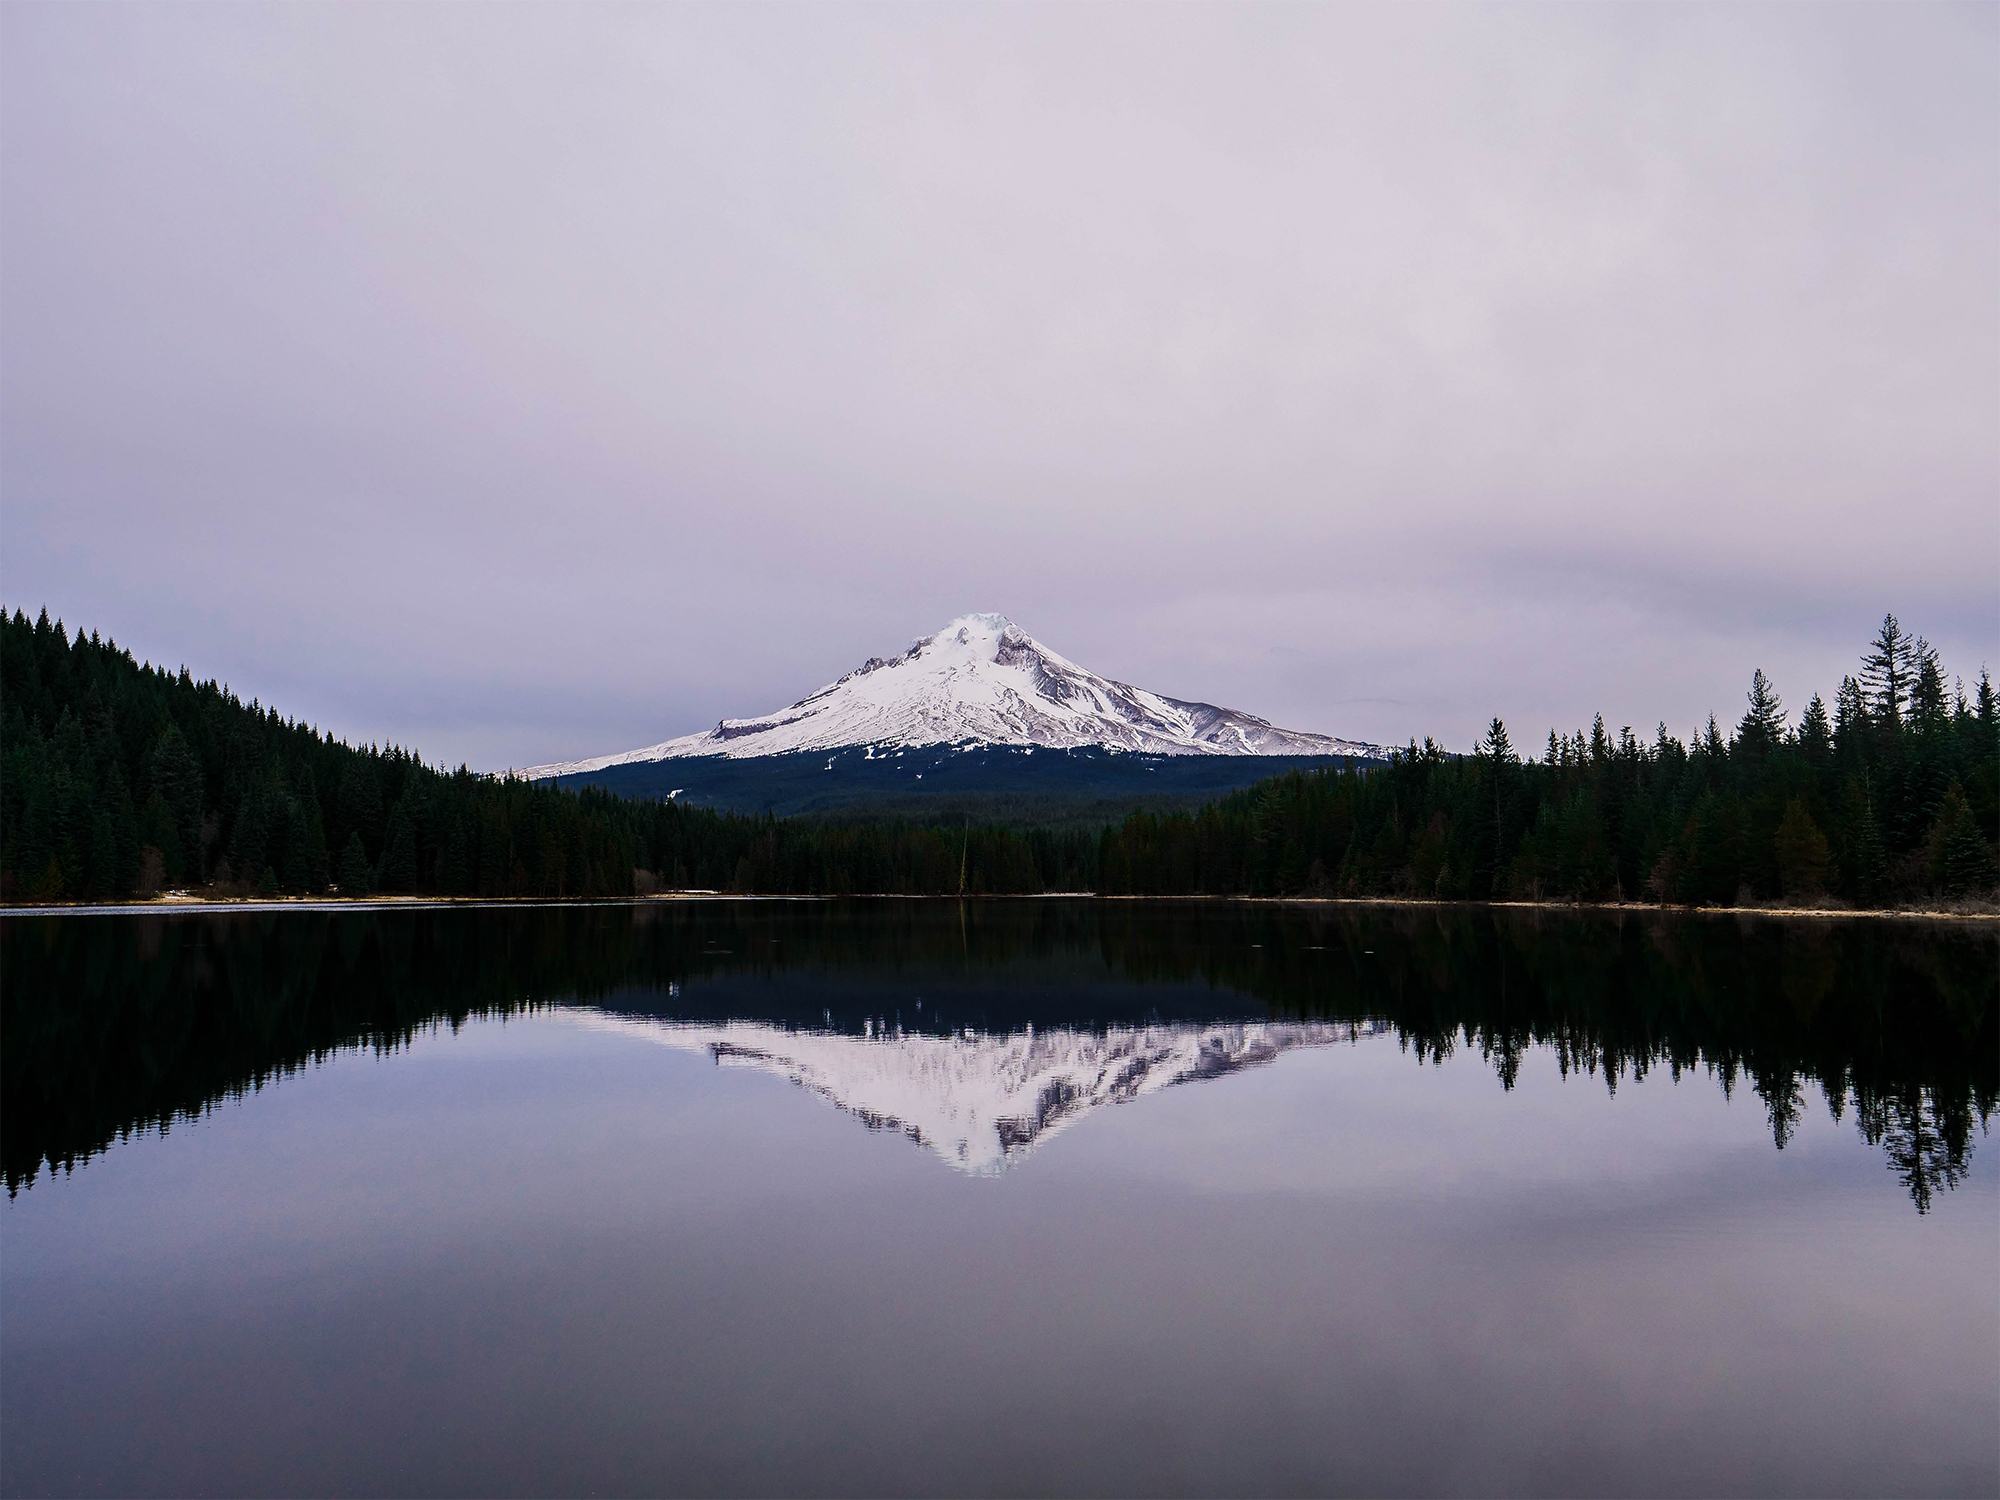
982	680
981	1101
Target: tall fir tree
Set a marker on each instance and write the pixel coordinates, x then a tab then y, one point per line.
1763	726
1886	672
1930	710
1816	731
1850	722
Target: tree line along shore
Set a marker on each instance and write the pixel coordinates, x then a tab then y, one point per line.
119	781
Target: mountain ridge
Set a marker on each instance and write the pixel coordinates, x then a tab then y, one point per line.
980	681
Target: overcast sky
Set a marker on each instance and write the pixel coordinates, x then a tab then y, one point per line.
531	381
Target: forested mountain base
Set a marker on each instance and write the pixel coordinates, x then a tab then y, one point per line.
1890	798
1083	786
118	780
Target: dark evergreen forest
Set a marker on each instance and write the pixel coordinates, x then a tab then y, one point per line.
1889	796
121	780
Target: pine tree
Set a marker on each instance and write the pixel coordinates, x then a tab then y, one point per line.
1886	672
398	870
1715	848
250	846
1496	751
176	776
1763	726
1850	721
356	878
317	862
100	876
1864	861
1802	852
157	831
1816	730
454	863
1710	741
1930	713
1961	862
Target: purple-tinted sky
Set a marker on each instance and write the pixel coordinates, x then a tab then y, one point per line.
531	381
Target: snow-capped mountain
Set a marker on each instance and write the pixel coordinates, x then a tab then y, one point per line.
982	680
981	1101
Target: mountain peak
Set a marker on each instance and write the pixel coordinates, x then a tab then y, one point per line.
978	624
982	680
984	636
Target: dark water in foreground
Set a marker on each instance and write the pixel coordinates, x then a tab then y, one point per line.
1016	1198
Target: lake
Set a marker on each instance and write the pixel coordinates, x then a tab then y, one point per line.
1008	1197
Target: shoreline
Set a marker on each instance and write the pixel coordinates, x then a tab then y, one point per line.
168	905
1639	908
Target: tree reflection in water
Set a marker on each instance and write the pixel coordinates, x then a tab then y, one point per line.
115	1025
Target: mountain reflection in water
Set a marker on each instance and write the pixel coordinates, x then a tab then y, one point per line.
980	1029
982	1101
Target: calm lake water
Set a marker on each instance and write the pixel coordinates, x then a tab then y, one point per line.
1008	1198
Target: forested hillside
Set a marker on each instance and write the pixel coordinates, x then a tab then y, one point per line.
1889	795
1016	785
119	780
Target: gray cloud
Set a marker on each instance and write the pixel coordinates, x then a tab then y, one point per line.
530	381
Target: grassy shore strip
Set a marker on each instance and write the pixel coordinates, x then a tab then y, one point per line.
178	903
1965	913
169	905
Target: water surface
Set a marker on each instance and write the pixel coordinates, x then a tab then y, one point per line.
1014	1197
